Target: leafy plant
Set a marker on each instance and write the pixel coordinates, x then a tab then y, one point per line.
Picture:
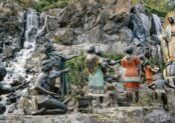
160	7
44	5
77	74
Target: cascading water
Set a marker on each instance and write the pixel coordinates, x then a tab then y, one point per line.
156	24
16	68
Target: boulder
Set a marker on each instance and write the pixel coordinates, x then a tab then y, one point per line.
159	116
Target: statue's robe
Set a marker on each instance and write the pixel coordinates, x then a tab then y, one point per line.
148	75
168	43
168	48
96	76
131	72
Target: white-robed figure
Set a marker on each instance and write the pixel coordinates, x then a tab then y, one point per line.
168	37
94	69
168	47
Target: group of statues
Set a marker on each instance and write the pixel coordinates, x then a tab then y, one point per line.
134	71
51	85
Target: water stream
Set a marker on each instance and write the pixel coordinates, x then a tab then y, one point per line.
16	67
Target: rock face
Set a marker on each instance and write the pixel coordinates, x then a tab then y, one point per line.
11	28
91	21
112	24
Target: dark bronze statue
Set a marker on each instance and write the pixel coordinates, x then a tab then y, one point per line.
56	60
44	100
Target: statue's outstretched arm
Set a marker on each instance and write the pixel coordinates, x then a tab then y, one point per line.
65	58
56	74
114	62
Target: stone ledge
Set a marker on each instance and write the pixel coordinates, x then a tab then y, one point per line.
109	115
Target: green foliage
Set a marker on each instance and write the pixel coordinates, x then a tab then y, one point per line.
161	13
44	5
154	62
41	5
114	56
160	7
77	74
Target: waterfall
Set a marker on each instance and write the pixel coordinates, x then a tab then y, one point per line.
16	68
31	26
156	24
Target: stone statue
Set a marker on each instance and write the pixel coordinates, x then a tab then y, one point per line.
131	76
57	61
169	73
111	92
168	37
44	99
159	85
168	47
147	68
96	76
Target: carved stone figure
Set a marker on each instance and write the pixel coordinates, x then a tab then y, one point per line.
96	76
168	47
44	99
147	68
111	92
168	37
131	77
57	61
159	85
169	73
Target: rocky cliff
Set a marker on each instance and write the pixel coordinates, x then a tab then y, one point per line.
11	28
110	25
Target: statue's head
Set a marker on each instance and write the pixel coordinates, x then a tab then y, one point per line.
3	73
148	53
46	68
91	50
98	52
129	50
171	20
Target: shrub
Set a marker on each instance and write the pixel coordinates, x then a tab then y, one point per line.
77	75
44	5
159	7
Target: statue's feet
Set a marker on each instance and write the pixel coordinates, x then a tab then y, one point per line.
38	112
